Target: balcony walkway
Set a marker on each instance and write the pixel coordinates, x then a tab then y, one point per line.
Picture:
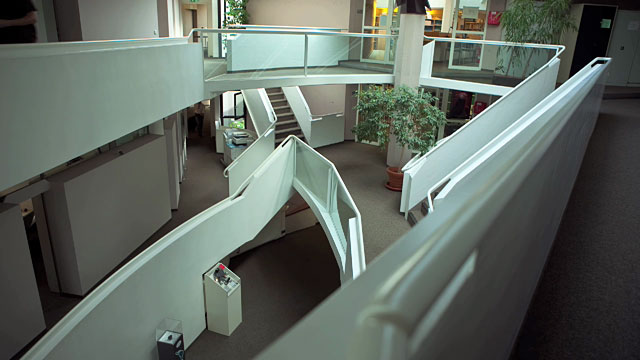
217	79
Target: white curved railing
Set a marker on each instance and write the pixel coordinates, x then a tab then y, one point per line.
318	130
473	264
118	320
426	173
288	57
284	27
264	120
300	108
144	80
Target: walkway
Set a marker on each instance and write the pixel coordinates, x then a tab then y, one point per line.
587	304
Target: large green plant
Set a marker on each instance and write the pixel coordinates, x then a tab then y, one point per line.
407	113
236	12
540	22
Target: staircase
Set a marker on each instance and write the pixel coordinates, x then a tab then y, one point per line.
422	209
418	212
286	123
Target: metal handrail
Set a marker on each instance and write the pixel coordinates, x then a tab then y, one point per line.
559	48
225	172
247	26
290	32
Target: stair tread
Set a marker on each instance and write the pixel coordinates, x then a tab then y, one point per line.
414	217
281	107
286	114
285	122
297	128
301	136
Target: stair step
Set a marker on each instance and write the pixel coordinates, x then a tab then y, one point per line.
424	208
281	139
287	130
273	89
277	101
414	217
286	122
275	93
282	107
285	114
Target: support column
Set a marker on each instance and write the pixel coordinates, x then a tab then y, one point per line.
409	50
407	72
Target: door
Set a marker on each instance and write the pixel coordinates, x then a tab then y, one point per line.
593	35
624	47
469	22
380	17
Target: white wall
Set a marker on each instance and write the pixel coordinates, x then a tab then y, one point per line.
322	99
118	19
326	13
284	51
101	210
173	162
46	24
82	96
20	308
68	20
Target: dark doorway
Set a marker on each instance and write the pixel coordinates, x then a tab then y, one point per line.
194	24
593	35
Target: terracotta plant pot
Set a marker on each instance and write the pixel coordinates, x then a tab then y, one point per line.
395	179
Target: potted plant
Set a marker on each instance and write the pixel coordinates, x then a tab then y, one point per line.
408	114
530	21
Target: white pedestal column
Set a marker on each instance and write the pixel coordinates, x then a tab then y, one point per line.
407	72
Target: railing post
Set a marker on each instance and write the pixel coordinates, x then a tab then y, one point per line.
306	52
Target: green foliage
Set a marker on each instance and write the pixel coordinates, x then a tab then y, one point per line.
408	114
537	22
529	21
236	12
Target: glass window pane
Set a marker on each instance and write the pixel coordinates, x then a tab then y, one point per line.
374	48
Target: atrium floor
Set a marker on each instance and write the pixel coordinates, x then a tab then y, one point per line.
587	303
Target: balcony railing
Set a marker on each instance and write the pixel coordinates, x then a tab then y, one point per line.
259	52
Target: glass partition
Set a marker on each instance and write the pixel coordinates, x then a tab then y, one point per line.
488	63
249	53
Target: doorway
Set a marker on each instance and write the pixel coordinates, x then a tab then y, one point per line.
593	35
625	49
469	22
380	17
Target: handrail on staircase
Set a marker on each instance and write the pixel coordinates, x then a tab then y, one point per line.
271	128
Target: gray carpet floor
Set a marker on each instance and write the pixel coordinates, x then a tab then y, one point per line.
587	303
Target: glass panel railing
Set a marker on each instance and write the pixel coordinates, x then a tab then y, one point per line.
488	62
254	53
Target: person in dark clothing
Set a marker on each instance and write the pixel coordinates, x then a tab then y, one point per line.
414	6
17	22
